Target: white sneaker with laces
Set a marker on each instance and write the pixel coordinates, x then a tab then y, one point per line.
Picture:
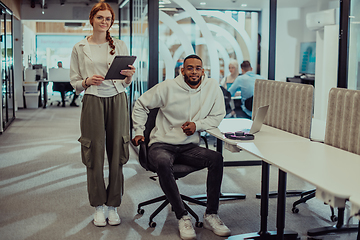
99	217
186	228
214	223
113	216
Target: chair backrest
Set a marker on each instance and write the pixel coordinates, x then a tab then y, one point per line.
59	74
343	119
180	170
149	125
227	99
290	105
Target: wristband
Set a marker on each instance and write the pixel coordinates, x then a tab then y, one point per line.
85	82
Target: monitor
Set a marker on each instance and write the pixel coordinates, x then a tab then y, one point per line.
37	66
307	58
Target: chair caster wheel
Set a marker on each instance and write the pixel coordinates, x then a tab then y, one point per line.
152	224
334	218
199	224
295	210
140	211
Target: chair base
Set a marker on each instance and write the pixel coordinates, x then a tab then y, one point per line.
307	195
223	196
165	203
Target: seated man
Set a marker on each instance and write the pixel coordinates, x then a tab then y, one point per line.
63	88
188	104
245	83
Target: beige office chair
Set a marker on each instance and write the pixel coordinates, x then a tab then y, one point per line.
342	131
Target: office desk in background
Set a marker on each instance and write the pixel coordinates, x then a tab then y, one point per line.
316	163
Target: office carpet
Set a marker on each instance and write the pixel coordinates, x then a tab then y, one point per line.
43	189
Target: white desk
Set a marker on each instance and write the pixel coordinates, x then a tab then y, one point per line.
333	171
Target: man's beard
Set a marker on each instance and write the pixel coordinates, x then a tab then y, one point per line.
192	83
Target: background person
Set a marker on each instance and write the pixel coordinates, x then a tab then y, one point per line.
188	104
227	81
63	88
245	83
104	117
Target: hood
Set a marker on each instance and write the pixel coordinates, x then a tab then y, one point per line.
181	82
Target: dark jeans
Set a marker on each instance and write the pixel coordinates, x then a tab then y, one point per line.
162	156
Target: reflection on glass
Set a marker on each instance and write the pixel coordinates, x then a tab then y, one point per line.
354	46
217	36
8	110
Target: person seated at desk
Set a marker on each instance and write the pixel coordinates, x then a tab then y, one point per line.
63	88
245	83
227	81
188	104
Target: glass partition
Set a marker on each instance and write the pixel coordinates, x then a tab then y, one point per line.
217	36
7	79
354	46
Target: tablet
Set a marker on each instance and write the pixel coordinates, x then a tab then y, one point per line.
119	63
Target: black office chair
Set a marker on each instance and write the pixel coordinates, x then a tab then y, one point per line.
63	88
227	99
179	172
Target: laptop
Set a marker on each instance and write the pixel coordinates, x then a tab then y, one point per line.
258	120
248	134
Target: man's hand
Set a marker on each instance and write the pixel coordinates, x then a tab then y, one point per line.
189	128
136	139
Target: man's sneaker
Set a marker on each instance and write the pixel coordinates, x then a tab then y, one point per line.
214	223
113	217
186	228
99	217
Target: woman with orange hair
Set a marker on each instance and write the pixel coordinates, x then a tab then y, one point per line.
104	119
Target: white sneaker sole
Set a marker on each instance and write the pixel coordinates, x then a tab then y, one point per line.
188	237
114	223
217	232
100	224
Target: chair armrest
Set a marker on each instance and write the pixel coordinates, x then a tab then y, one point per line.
143	160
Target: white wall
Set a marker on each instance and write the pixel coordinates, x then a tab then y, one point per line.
289	32
29	45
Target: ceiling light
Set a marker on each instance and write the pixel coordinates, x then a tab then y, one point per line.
203	3
244	5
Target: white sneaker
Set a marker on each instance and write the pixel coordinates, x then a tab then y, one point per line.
186	228
113	217
99	217
214	223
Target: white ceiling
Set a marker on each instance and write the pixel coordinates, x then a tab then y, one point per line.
251	4
210	4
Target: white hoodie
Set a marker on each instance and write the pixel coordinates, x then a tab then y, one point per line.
178	103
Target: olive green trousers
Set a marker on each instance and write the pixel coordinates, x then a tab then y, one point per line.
104	125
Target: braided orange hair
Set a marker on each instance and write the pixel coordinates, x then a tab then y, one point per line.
101	6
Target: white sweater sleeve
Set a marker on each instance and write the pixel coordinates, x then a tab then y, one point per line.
75	75
216	115
149	100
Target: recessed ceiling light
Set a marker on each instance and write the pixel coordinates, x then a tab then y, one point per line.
244	5
203	3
